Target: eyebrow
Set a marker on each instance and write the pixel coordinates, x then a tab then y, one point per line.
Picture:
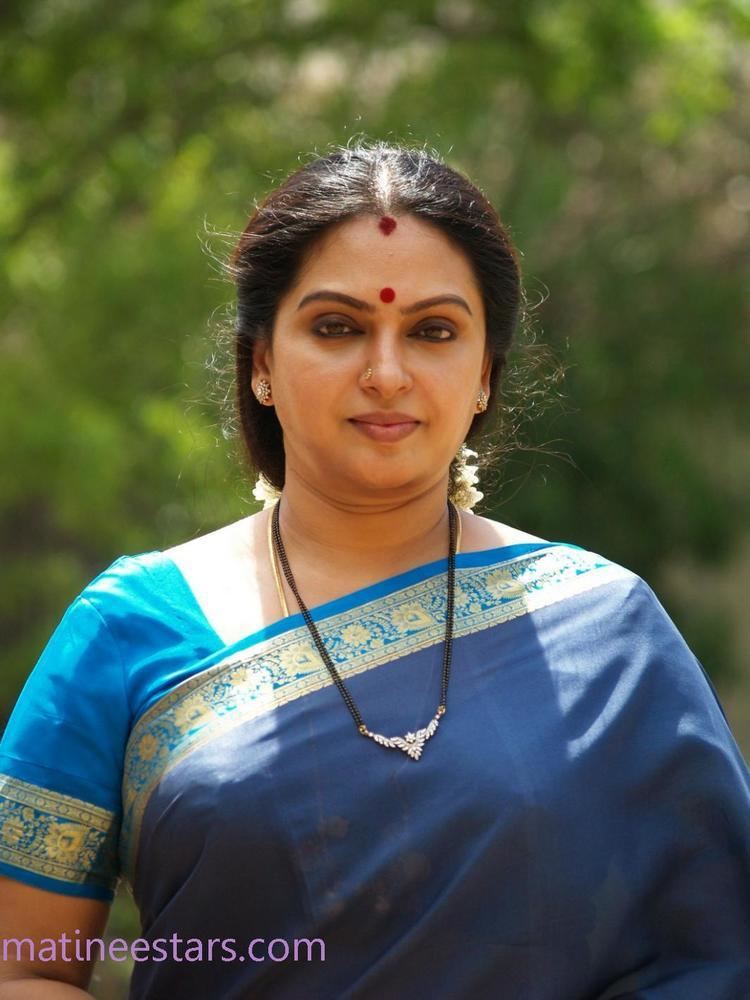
349	300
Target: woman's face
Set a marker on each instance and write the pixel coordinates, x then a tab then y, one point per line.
428	361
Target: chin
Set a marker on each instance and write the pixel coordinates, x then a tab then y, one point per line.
388	483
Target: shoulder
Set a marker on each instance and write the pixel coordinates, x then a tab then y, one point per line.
551	557
167	578
586	589
144	604
130	586
236	540
225	572
218	562
611	613
485	533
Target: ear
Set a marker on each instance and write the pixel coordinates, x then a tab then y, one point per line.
262	359
486	369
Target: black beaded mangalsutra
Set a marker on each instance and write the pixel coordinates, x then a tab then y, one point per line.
412	743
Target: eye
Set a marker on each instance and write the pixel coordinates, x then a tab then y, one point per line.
333	325
437	332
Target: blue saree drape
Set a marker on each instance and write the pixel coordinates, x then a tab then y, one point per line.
577	829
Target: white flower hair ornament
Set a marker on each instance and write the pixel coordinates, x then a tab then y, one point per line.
463	493
265	492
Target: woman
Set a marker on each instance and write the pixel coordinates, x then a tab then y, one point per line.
469	760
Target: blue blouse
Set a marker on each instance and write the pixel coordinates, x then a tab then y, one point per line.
578	826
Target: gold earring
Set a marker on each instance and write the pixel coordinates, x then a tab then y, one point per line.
263	391
481	401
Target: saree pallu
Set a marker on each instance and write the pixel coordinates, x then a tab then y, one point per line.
578	828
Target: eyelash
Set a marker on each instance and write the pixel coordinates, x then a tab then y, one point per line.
434	326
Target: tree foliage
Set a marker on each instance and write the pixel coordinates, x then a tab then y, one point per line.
613	138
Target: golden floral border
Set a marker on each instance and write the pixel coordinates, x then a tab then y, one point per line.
56	835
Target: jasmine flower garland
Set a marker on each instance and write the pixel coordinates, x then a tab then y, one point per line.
463	493
265	493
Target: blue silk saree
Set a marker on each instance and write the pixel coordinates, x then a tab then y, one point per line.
578	828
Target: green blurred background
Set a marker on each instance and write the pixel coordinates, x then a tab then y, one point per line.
614	139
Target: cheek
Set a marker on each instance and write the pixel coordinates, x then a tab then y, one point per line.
310	392
319	378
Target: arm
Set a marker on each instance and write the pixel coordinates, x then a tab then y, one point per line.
32	988
36	914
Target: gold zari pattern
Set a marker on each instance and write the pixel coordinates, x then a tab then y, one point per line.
56	835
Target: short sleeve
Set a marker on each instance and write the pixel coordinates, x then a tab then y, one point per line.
61	760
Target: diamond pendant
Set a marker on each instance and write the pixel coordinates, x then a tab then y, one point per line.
412	743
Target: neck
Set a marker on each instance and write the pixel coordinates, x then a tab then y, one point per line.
319	530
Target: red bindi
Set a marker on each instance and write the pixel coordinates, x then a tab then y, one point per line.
387	225
387	295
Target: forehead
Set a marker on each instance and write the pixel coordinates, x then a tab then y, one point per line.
415	252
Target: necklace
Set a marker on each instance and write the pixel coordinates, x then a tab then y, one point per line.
412	744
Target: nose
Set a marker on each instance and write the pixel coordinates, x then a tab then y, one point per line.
385	354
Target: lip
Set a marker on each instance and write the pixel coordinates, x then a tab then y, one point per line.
385	432
385	417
